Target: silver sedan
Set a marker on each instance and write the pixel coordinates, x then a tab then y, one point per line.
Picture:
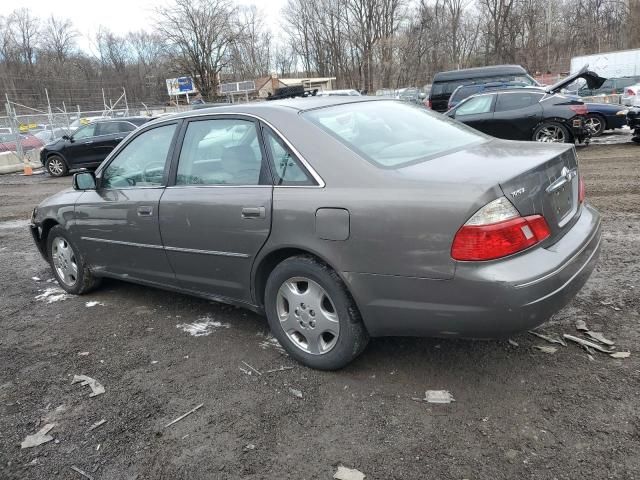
338	218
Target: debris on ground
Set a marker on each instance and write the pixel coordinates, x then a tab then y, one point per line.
53	294
270	342
581	325
546	348
252	368
295	393
513	343
38	438
97	424
93	303
83	354
599	337
96	387
620	355
35	279
587	343
281	369
344	473
81	472
249	446
202	327
185	415
438	396
548	338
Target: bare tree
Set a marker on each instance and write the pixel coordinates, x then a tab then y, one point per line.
59	37
199	34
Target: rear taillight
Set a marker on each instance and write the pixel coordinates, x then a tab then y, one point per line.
429	104
497	230
630	93
581	189
579	109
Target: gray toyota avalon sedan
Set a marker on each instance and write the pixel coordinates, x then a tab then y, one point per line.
338	218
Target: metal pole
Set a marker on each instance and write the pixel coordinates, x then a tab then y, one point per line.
126	105
66	116
104	101
13	119
50	113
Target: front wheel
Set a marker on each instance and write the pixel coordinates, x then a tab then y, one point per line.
56	166
552	132
595	124
312	314
68	264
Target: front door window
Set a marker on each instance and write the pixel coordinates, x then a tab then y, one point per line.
142	162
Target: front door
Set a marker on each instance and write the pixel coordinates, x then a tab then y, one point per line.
217	216
78	149
117	224
108	135
477	112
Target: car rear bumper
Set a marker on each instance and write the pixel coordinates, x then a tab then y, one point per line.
484	299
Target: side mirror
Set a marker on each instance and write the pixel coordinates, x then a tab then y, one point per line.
84	181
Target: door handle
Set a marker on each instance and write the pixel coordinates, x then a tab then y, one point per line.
145	211
253	212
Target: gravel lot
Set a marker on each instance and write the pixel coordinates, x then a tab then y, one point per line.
519	413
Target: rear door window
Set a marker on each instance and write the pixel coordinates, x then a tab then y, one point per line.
287	169
515	101
221	152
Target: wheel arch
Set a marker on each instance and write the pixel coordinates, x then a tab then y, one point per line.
269	260
46	226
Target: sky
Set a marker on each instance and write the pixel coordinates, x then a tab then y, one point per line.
119	16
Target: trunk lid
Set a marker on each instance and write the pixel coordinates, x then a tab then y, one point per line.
550	188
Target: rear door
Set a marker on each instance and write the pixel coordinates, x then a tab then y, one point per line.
216	216
477	112
516	115
118	222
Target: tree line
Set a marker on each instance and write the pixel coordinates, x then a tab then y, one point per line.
365	44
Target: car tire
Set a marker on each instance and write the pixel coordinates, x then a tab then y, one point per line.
56	166
312	314
552	132
68	264
596	124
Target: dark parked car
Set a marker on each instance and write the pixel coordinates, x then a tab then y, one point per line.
633	120
464	91
537	114
88	146
444	83
340	218
599	117
611	86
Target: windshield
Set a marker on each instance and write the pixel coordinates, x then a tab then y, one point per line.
393	134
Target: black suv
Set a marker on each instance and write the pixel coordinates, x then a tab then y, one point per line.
88	146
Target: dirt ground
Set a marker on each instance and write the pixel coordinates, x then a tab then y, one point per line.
518	412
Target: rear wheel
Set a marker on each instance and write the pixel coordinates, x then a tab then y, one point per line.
552	132
312	314
56	166
596	124
68	264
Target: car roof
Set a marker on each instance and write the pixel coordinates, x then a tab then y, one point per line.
268	108
478	72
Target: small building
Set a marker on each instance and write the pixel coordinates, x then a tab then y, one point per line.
268	85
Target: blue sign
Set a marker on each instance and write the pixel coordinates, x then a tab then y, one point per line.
185	84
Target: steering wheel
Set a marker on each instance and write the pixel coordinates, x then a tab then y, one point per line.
145	172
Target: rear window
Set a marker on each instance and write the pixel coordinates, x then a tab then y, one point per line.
465	92
393	134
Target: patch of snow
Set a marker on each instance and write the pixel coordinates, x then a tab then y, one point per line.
202	327
35	279
93	303
271	342
53	294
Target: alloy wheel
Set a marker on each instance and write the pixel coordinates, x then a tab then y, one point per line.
64	261
55	166
307	315
594	125
551	134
